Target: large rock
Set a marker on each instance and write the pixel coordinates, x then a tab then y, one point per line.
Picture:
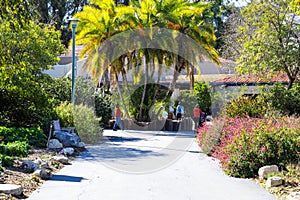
43	173
61	159
293	196
81	145
54	144
29	165
44	165
67	139
274	181
38	161
11	189
67	151
263	172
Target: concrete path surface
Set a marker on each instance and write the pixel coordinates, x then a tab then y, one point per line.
144	165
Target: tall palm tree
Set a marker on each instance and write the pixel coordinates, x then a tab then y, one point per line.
188	19
144	16
103	20
99	22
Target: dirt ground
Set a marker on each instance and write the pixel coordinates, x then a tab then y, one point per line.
17	175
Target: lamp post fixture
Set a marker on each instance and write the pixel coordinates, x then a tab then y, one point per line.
74	22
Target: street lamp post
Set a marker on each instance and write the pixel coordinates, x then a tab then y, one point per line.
74	22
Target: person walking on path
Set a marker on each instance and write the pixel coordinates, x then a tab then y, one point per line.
118	121
196	118
179	111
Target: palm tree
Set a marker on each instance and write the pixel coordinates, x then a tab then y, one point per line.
98	23
103	20
189	19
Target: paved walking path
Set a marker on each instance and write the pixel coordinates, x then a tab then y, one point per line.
147	165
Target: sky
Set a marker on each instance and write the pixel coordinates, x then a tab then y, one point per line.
239	3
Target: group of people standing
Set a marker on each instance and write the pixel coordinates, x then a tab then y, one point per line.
199	116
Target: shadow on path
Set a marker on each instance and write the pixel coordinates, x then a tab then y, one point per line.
67	178
111	152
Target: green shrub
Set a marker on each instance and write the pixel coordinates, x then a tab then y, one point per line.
188	101
202	92
2	148
252	106
25	53
103	108
23	108
84	92
285	100
33	136
86	124
209	137
5	161
65	114
58	90
154	93
246	144
19	149
83	119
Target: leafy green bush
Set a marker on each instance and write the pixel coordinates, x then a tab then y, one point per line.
58	89
154	93
5	161
252	106
103	108
86	124
84	92
65	113
33	136
246	144
202	92
209	137
285	100
83	119
187	100
17	148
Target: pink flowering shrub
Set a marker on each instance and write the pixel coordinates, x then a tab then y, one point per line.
243	145
209	137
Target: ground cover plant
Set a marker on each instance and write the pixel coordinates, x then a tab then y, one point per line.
244	144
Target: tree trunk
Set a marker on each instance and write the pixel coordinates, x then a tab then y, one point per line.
120	94
157	83
179	65
145	87
192	79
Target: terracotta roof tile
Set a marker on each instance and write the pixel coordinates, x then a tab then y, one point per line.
248	79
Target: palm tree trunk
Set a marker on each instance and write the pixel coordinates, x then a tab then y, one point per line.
157	83
120	94
192	79
145	87
179	65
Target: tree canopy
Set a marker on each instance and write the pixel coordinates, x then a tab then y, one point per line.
139	26
270	38
26	50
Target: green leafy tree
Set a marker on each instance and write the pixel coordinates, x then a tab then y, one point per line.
103	107
16	12
284	100
58	89
202	92
219	11
25	52
57	13
271	42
